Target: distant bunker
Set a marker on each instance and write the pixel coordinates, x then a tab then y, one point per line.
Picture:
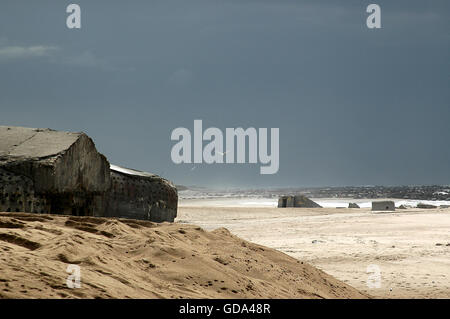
383	206
296	201
54	172
426	206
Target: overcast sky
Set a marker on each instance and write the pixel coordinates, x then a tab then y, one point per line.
354	106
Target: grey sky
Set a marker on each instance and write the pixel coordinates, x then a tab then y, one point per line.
354	106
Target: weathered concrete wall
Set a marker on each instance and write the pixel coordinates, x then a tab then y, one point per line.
63	171
90	172
297	201
383	206
282	201
141	197
17	195
286	201
57	162
47	171
303	201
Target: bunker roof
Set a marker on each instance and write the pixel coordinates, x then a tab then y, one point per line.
129	171
33	143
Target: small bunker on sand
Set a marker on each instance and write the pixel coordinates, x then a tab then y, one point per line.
426	206
296	201
383	206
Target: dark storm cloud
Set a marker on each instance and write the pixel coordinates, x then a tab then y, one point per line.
354	106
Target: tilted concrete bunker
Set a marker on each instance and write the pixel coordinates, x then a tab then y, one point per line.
296	201
47	171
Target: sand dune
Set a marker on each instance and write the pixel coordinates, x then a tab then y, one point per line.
136	259
411	247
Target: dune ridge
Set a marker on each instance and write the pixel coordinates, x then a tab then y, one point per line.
122	258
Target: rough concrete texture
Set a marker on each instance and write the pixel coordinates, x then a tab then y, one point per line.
383	206
17	194
141	195
297	201
47	171
25	143
56	161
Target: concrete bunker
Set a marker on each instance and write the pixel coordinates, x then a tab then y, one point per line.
141	195
383	206
54	172
296	201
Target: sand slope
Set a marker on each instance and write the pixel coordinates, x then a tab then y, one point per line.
411	247
138	259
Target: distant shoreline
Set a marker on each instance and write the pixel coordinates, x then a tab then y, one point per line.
272	202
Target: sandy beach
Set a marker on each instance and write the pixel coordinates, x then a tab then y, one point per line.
229	252
124	258
411	247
